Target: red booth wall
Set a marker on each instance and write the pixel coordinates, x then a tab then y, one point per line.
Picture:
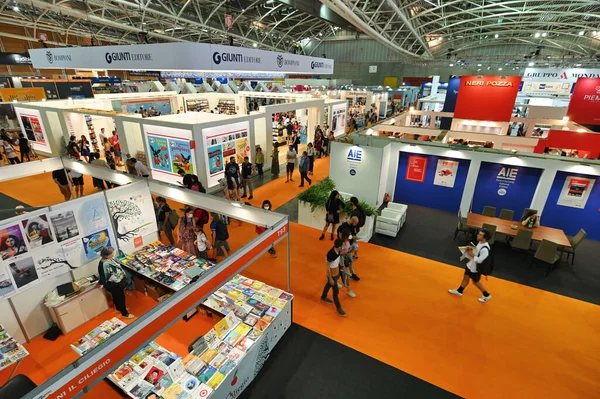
583	142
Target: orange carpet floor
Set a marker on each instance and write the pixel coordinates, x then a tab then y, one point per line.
523	343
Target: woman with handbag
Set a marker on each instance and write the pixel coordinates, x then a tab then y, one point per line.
114	279
333	207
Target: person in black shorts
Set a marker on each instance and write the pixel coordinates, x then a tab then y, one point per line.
232	172
77	179
475	256
61	177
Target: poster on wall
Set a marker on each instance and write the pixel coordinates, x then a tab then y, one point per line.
30	122
51	261
221	143
417	168
170	150
23	272
575	192
37	231
162	105
12	242
7	287
132	213
338	119
445	173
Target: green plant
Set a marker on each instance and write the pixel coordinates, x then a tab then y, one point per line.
318	194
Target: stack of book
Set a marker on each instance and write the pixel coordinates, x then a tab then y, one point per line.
97	336
10	350
167	265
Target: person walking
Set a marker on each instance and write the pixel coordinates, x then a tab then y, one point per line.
476	257
24	147
349	229
333	207
77	179
291	163
62	178
84	148
325	147
361	218
114	280
220	235
304	167
247	174
330	140
319	144
232	172
116	145
139	168
275	160
8	150
202	243
259	160
333	275
163	217
187	235
346	263
310	150
266	205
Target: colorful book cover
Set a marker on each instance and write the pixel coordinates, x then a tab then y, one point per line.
225	325
227	367
216	380
215	159
280	303
269	300
257	285
127	380
255	334
160	153
207	374
248	282
203	392
193	364
273	311
249	292
173	392
218	361
286	296
237	333
245	343
190	384
122	372
236	355
181	156
251	320
209	355
268	318
141	389
154	375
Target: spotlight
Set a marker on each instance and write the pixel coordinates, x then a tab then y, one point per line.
581	33
496	36
450	65
254	45
16	9
499	69
544	34
537	35
478	64
531	64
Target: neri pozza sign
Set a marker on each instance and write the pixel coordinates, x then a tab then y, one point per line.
179	57
487	98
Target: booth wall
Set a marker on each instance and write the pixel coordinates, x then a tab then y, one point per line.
588	142
56	133
562	217
10	322
518	183
260	138
356	170
385	172
426	193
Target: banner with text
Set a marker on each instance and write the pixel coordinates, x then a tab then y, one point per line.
487	98
584	106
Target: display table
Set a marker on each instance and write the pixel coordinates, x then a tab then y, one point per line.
97	336
225	360
75	310
170	267
11	352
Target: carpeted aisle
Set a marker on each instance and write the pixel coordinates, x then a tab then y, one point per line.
305	364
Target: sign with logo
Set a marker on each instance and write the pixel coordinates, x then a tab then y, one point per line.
228	21
505	178
584	106
15	59
179	57
417	168
354	159
141	72
559	74
372	68
575	192
23	94
445	173
487	98
563	88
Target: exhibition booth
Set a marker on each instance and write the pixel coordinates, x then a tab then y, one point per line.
60	244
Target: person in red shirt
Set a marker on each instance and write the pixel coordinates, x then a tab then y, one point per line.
114	141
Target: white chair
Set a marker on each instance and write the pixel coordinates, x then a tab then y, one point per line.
388	223
399	208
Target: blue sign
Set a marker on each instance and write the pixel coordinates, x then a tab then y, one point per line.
198	81
106	79
352	172
355	154
450	102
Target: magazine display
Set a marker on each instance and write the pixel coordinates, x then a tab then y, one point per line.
10	350
97	336
156	370
167	265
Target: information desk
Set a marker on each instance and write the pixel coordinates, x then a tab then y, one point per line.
225	360
503	226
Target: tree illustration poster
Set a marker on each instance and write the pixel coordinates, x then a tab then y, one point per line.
132	213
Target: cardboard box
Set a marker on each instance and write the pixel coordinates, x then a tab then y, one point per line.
140	284
154	291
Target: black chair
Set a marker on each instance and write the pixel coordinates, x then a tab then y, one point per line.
489	211
17	387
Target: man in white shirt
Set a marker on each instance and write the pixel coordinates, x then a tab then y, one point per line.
476	256
140	168
291	163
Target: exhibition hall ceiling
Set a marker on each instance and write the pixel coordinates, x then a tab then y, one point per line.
434	32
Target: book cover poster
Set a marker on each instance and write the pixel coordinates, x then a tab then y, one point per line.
73	252
159	151
7	287
417	168
228	150
181	156
242	149
11	242
65	225
51	261
445	173
23	272
93	244
132	214
37	231
215	159
575	192
223	137
93	215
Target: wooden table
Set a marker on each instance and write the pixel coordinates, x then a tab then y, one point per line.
557	236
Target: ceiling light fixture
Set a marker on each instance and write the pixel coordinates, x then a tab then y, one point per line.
254	45
577	65
499	69
537	35
544	34
531	64
496	35
450	65
16	9
581	33
478	64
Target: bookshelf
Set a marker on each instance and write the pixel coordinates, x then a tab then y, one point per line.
197	105
226	106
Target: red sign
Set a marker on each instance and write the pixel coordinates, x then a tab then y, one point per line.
228	21
487	98
138	241
584	142
415	81
584	106
417	167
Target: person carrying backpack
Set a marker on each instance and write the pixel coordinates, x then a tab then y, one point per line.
359	213
480	262
220	235
165	217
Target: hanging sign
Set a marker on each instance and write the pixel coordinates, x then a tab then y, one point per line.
417	167
228	21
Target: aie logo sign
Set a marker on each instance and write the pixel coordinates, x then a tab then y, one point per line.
355	154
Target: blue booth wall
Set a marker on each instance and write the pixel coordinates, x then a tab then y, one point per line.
518	188
427	194
572	219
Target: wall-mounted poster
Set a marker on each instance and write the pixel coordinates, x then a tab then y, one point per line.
445	173
65	225
23	271
417	167
51	261
132	212
94	243
7	288
221	143
37	231
338	119
11	242
575	192
30	122
169	151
